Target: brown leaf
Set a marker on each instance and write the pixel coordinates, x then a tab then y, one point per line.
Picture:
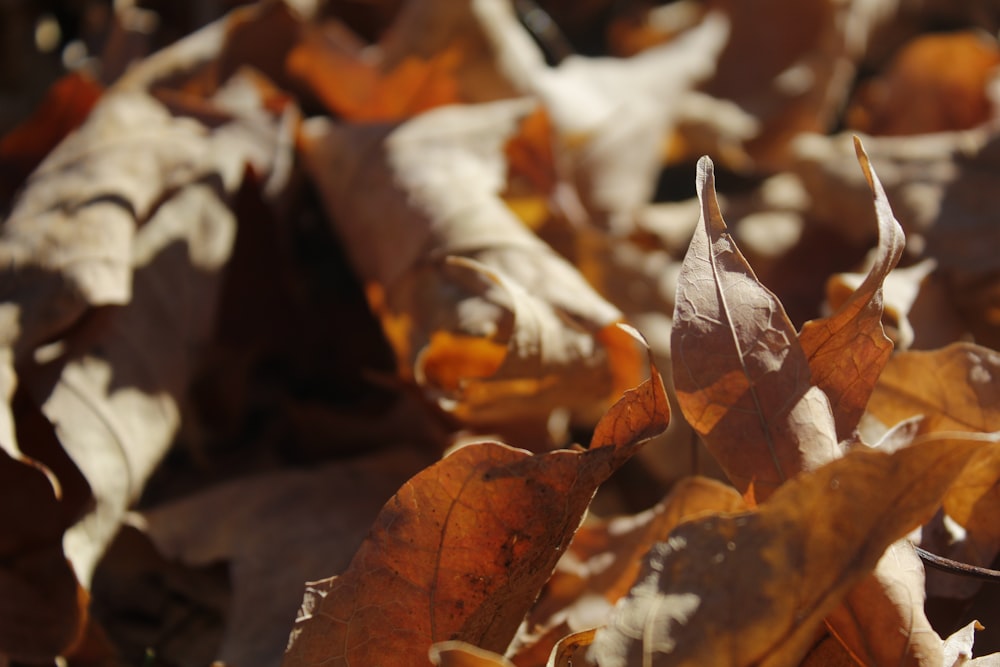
789	65
753	588
955	388
354	88
464	547
276	530
974	503
882	620
112	258
611	116
848	350
65	106
742	379
485	317
42	608
603	561
934	83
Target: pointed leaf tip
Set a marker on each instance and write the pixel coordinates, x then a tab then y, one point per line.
705	173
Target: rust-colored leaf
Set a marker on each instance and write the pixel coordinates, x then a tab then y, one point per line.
882	620
753	588
935	83
955	388
603	561
65	107
42	607
356	89
848	350
742	379
464	547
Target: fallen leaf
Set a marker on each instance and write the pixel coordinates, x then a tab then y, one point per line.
484	316
460	654
742	379
848	350
356	89
469	542
954	388
66	105
753	588
43	610
882	620
611	116
934	83
789	65
603	561
276	530
958	645
112	259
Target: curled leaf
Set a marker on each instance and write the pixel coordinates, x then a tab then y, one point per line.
848	350
462	550
743	380
753	588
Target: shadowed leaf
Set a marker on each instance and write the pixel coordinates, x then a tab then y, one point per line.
742	379
753	588
848	350
462	550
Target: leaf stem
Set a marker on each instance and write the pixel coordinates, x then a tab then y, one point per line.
956	567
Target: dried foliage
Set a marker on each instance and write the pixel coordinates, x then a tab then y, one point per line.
306	306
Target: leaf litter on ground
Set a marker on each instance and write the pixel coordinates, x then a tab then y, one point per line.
501	309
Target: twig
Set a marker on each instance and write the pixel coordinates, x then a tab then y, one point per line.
956	567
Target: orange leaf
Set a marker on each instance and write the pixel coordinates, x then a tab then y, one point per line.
66	105
462	550
955	388
359	90
742	379
487	319
848	350
604	559
935	83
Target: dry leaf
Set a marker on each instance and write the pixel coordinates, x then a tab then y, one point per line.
469	541
882	620
277	530
353	87
954	388
602	562
753	588
848	350
460	654
487	319
112	257
611	116
934	83
42	608
742	379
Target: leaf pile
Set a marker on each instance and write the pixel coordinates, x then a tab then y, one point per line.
310	306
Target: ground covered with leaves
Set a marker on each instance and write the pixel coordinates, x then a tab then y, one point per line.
483	333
